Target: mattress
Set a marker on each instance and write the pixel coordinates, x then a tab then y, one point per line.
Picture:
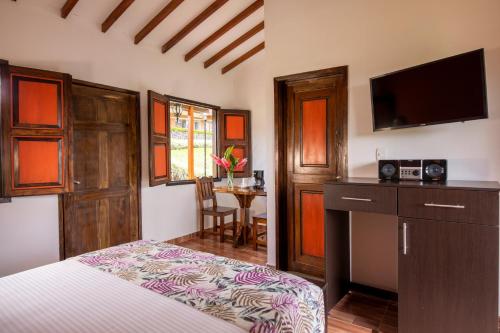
70	297
148	286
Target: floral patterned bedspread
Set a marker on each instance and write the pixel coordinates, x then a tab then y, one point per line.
256	298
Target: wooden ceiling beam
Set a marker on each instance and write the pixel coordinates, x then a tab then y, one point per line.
115	14
244	57
225	28
169	8
193	24
234	44
68	7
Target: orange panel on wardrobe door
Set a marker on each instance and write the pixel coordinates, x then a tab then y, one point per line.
312	224
235	127
160	118
160	151
38	103
38	161
314	141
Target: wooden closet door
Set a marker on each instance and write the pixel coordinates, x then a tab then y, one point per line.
448	277
314	154
103	210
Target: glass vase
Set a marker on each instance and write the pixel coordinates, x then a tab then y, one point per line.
230	180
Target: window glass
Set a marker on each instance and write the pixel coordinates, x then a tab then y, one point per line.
192	141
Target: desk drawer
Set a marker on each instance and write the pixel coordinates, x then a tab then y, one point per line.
478	207
362	198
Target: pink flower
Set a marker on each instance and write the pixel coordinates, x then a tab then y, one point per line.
228	161
225	163
217	160
241	163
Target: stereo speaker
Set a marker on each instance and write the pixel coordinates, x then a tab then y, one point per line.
434	170
388	169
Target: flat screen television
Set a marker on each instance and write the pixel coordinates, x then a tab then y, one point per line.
443	91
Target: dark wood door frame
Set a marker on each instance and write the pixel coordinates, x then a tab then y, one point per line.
139	161
280	109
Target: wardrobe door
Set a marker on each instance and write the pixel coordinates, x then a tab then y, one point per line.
36	131
448	277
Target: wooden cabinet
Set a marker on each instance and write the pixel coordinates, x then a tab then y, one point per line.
448	277
448	260
448	249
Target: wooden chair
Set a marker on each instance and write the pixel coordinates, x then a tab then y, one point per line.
204	191
259	220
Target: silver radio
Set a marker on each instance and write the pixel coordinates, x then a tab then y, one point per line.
410	169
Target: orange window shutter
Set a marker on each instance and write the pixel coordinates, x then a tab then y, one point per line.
35	128
235	130
159	138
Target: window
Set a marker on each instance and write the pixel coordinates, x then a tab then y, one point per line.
183	134
192	141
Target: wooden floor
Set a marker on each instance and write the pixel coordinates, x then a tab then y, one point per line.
362	313
355	313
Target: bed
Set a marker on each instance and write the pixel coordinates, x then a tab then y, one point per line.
149	286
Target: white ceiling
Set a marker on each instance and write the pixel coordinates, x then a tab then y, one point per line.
94	12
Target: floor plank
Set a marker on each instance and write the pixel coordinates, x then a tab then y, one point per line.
355	313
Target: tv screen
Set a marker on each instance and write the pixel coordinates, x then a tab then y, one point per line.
447	90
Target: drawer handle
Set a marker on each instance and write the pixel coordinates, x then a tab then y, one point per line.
444	206
356	199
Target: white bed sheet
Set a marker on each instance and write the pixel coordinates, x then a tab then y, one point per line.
69	297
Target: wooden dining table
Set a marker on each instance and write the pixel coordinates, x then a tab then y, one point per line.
245	196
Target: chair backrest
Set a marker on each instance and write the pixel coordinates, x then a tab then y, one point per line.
205	191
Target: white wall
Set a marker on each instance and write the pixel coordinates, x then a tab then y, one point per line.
250	88
372	38
34	35
29	233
